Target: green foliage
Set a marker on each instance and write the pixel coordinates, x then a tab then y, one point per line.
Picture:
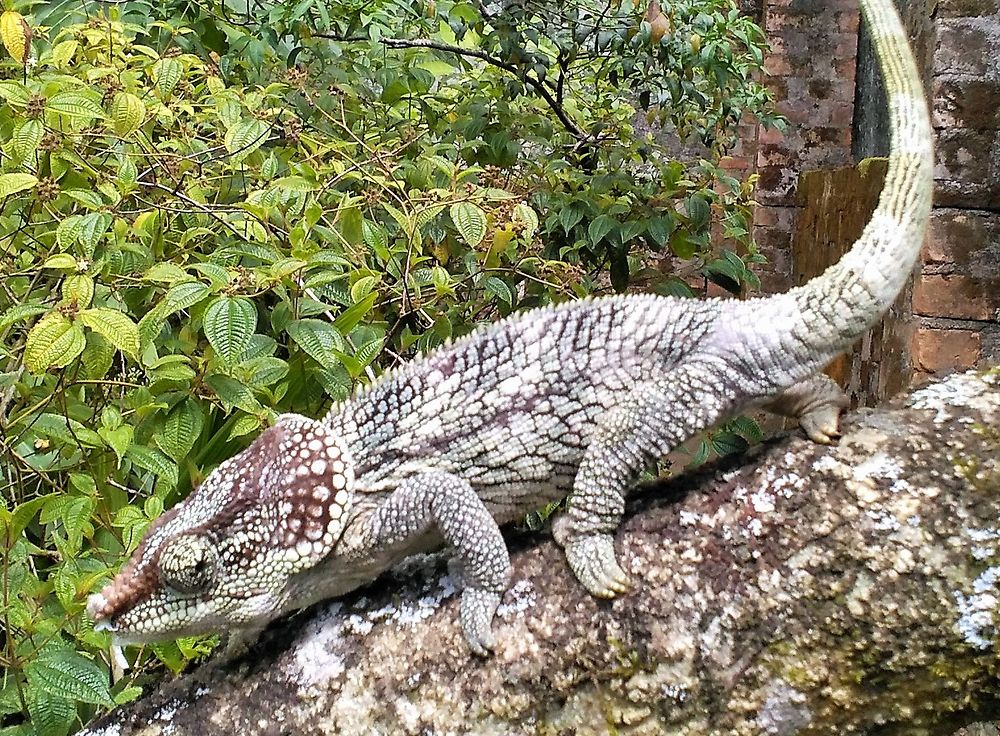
208	219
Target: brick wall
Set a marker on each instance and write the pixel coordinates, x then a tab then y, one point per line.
810	70
826	87
956	297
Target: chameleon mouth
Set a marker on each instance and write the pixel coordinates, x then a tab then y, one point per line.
96	604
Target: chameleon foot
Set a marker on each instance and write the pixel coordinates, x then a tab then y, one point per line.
476	614
822	425
592	560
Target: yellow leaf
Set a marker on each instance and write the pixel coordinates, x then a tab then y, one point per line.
16	35
52	343
127	113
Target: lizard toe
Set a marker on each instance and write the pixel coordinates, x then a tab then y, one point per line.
593	561
477	610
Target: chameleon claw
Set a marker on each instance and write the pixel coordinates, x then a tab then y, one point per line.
476	612
593	561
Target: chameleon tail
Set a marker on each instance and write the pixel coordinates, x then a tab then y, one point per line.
815	322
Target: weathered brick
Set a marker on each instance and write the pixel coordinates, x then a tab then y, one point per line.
961	102
962	8
936	351
968	168
964	241
957	296
968	46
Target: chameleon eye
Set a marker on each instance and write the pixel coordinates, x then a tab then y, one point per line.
188	564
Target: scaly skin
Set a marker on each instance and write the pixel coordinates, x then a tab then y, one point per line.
572	400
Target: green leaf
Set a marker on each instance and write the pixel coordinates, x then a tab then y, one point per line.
244	426
320	340
229	323
181	429
660	229
91	229
525	214
65	674
115	327
97	357
234	393
245	137
600	226
15	93
154	462
27	135
349	318
470	220
75	105
16	182
51	715
498	287
119	439
63	52
376	238
725	443
20	312
60	260
698	211
53	342
569	216
180	296
166	74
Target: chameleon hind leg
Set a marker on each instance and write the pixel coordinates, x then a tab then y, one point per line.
447	504
652	419
817	403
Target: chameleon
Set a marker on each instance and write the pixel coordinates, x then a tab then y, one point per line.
568	401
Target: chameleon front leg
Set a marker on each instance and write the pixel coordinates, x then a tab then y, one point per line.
653	418
447	503
816	403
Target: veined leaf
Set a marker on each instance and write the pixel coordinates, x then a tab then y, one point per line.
349	318
525	214
15	182
51	715
63	52
166	74
61	261
66	674
229	324
245	137
118	439
116	327
244	425
26	138
180	296
181	429
78	289
16	35
470	220
14	92
153	461
20	312
75	105
234	393
53	343
320	340
97	357
127	113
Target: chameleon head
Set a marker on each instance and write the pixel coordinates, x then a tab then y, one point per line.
224	556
